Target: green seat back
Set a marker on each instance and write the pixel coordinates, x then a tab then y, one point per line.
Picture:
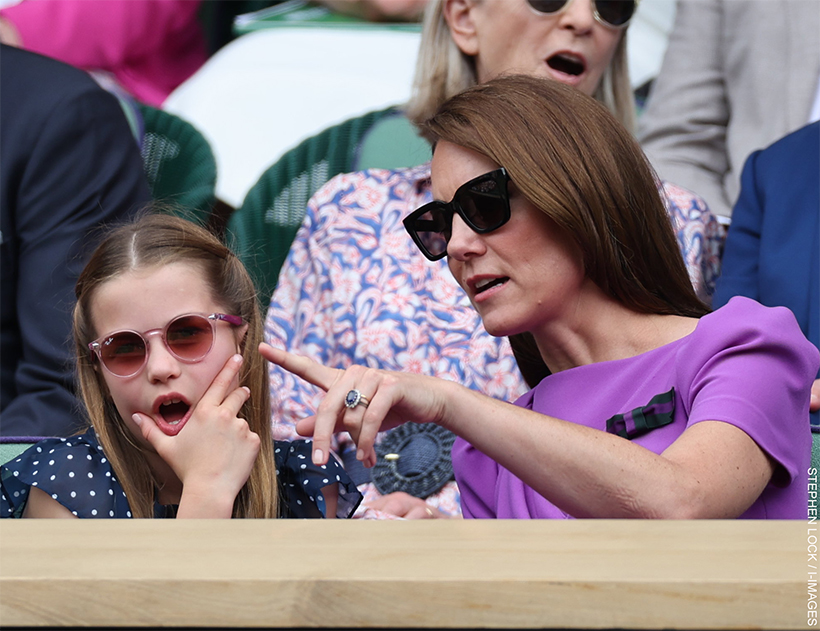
179	164
262	229
815	450
391	143
10	450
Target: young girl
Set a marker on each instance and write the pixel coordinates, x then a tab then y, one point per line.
166	330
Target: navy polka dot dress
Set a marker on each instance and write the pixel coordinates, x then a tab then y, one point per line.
76	473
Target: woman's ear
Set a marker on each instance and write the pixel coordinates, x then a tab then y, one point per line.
459	15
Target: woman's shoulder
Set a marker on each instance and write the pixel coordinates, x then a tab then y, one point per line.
749	335
73	471
742	334
751	366
745	319
301	482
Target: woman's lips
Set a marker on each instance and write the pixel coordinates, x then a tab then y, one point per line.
487	287
567	67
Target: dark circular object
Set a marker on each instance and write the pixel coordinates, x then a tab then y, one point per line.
414	458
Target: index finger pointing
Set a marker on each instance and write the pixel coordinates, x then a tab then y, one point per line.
301	366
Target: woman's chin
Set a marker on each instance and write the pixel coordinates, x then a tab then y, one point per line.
499	328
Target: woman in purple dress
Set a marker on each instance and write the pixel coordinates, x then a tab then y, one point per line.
643	403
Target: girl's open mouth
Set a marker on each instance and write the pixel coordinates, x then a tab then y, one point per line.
171	414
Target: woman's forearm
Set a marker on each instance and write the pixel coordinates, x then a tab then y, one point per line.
712	470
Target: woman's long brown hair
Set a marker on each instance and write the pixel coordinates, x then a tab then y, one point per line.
570	158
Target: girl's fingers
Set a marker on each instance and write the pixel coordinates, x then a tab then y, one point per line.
150	431
304	367
223	382
236	399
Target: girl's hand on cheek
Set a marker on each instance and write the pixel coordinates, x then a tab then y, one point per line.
215	451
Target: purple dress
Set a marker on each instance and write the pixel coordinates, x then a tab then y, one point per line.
744	364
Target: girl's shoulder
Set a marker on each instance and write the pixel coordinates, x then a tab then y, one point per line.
73	471
301	482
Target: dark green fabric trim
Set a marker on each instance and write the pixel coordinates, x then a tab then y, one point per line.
658	412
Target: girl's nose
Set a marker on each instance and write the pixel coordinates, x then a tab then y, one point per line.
464	242
161	365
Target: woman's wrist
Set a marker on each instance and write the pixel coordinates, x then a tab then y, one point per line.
458	406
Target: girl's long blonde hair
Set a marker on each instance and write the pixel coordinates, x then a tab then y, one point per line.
154	240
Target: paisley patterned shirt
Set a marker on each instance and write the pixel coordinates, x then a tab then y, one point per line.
355	289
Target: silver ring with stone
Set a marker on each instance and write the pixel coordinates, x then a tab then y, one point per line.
354	398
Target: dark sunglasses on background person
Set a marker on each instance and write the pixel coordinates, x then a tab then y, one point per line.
614	13
483	203
188	337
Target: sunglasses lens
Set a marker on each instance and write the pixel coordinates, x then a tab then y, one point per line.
615	12
432	228
190	337
484	205
547	6
123	353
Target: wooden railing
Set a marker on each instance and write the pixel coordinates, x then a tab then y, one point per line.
590	574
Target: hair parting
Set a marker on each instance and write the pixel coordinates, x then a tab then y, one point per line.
153	240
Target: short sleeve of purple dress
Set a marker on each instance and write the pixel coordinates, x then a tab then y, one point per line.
745	364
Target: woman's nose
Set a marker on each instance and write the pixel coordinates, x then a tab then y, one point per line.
464	243
161	364
578	15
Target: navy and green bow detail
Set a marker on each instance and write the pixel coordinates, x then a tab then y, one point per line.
658	412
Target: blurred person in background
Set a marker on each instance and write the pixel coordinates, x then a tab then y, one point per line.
68	165
772	249
737	75
145	47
